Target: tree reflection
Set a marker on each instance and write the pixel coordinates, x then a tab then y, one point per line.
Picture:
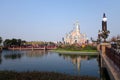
12	56
36	53
0	58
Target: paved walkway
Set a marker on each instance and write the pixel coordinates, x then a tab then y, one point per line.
114	70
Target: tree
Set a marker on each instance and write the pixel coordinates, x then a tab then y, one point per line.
23	42
118	37
13	42
19	42
118	40
0	40
113	39
7	42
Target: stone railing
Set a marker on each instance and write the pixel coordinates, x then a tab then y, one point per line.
114	55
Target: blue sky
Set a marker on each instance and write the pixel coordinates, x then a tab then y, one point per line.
50	20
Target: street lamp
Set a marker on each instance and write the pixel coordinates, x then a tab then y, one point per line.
104	33
99	37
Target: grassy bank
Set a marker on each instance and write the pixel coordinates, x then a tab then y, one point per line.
74	48
5	75
63	50
85	52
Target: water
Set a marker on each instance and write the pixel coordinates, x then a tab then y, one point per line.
22	61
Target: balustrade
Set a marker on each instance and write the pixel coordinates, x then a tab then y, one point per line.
114	55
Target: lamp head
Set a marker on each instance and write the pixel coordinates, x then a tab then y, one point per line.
104	18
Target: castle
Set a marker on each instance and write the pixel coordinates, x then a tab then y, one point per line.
75	36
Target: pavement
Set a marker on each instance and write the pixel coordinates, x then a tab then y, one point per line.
112	68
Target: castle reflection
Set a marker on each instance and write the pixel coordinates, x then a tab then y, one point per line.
76	59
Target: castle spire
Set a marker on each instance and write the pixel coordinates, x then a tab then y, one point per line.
77	25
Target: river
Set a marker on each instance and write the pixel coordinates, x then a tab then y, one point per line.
46	61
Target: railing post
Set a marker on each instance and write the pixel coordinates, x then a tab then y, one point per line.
13	48
103	47
32	48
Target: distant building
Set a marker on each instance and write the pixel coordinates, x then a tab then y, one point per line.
75	36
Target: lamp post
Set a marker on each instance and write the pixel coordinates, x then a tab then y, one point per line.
99	37
104	33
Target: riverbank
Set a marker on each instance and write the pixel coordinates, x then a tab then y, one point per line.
84	52
9	75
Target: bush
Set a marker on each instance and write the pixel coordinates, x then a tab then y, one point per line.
76	48
90	48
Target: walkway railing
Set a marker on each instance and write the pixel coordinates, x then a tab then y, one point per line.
114	55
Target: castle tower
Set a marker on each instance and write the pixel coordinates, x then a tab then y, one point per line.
75	36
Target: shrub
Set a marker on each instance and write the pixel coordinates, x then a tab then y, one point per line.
76	48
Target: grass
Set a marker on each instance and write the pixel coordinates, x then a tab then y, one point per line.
60	50
73	51
9	75
76	52
76	49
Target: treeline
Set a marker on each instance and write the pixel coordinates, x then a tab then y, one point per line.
13	42
0	43
0	40
19	42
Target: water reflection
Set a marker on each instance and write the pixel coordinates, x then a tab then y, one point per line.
78	59
12	56
0	58
19	54
37	53
41	60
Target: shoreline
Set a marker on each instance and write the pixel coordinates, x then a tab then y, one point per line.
11	75
76	52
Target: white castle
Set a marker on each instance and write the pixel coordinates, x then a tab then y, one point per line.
75	36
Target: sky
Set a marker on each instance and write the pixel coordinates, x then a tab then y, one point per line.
50	20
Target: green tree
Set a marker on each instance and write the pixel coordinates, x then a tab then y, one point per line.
0	40
23	42
7	42
19	42
13	42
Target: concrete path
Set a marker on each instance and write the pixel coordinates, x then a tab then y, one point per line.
114	70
